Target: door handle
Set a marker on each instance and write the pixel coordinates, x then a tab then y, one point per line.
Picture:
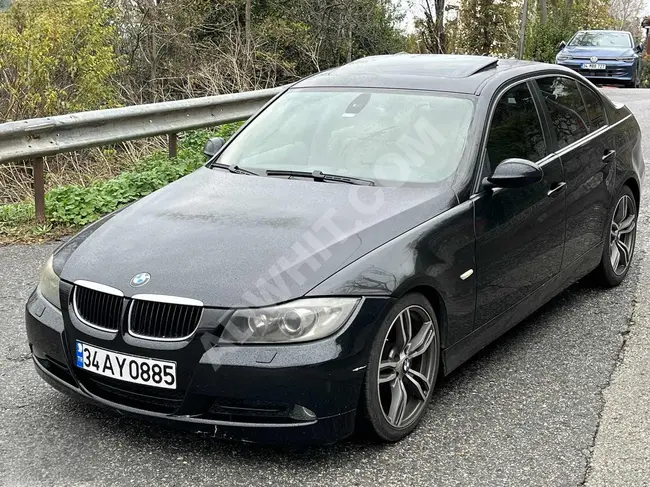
556	189
609	154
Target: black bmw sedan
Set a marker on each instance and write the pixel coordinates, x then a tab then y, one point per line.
366	232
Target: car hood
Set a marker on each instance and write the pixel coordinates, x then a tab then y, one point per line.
601	52
235	241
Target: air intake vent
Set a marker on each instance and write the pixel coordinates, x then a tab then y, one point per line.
163	321
97	309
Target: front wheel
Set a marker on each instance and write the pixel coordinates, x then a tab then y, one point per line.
621	239
636	80
402	369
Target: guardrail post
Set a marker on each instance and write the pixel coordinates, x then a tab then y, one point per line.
173	145
39	189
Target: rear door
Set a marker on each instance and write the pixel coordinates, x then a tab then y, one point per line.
586	148
519	231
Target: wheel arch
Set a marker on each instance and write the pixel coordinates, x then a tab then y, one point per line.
437	303
633	184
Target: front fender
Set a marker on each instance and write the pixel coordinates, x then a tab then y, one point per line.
432	255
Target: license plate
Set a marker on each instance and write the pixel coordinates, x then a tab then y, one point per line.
594	66
128	368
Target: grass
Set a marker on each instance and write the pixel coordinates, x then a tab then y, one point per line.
70	207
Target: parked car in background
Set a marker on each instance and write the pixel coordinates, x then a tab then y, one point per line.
603	56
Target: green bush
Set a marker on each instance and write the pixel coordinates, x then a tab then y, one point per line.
81	205
645	72
57	57
76	205
563	21
16	213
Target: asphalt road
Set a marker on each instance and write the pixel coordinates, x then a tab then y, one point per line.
526	411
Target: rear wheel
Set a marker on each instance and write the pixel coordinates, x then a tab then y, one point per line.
402	369
621	239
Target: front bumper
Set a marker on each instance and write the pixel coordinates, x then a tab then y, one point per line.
616	71
299	394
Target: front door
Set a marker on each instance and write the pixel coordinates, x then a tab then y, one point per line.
519	231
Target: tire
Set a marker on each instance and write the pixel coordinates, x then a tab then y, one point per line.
630	84
637	78
612	269
394	399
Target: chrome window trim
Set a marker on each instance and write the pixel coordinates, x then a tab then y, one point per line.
102	288
164	299
80	318
589	137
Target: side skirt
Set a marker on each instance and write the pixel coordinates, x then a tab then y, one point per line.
461	351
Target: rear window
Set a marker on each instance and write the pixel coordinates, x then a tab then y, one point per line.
595	108
566	108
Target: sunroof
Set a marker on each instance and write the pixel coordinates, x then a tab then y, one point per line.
437	65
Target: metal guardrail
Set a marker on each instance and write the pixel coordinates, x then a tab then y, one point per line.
32	140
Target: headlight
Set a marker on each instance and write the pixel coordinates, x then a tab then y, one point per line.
298	321
49	284
626	59
563	57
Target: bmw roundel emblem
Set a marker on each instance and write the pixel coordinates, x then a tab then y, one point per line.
140	279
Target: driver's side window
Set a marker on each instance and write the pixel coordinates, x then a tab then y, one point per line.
515	130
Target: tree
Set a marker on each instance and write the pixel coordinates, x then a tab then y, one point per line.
489	27
56	57
431	26
543	37
198	47
626	15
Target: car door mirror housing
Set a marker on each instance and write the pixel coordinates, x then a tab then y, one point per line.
560	46
213	146
639	49
514	173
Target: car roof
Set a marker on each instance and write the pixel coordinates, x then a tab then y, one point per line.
430	72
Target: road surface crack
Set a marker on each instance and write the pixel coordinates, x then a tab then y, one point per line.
23	357
15	407
619	357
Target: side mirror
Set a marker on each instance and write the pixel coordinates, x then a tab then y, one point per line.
560	46
638	49
213	146
514	173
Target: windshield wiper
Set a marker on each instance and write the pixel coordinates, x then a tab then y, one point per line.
234	168
321	176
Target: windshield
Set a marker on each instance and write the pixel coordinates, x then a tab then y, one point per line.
601	39
376	135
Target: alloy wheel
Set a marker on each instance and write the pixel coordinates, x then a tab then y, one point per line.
406	367
622	235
